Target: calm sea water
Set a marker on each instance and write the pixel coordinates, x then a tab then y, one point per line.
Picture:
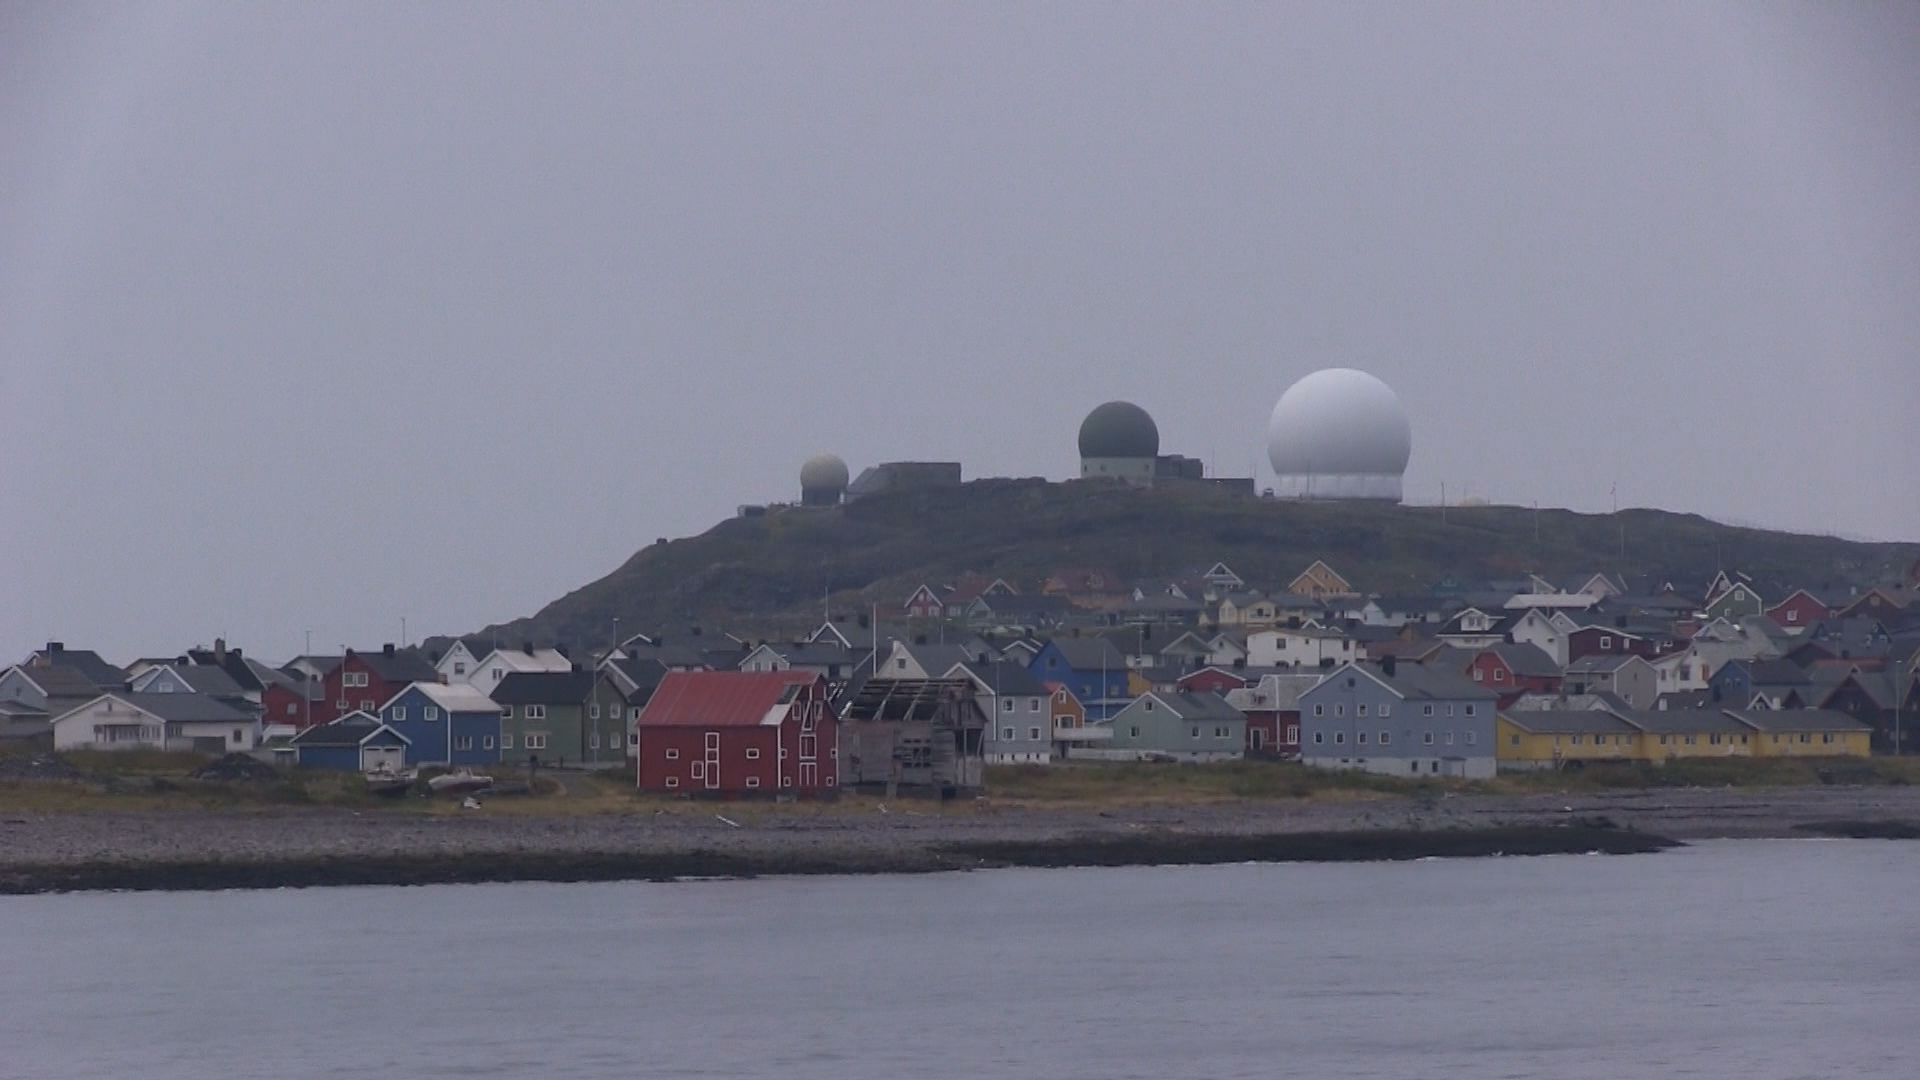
1748	959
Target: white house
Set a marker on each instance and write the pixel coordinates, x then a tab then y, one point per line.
502	662
1304	646
124	720
1543	632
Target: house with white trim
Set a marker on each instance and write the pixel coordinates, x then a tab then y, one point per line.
124	720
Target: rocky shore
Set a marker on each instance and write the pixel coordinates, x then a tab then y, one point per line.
309	846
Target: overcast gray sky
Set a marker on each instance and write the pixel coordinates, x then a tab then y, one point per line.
318	316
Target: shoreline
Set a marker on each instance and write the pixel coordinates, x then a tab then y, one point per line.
272	847
1165	849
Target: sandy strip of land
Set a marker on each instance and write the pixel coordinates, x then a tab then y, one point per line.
901	830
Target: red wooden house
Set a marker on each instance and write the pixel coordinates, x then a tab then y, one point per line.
1213	680
1512	670
366	681
925	603
739	733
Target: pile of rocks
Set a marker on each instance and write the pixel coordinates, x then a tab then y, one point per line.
42	766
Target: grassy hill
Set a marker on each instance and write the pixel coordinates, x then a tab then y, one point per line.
773	572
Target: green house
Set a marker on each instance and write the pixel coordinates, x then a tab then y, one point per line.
1181	726
543	716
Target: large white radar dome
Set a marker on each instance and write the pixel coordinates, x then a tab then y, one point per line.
1339	434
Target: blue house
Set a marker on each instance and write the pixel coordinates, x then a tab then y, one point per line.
1739	684
445	725
357	742
1091	667
1399	720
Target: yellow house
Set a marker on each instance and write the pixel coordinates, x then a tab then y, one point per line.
1550	738
1807	733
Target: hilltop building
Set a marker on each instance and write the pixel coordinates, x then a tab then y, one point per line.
1119	441
823	481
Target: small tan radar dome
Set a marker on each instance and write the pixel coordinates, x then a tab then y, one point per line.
1339	434
823	480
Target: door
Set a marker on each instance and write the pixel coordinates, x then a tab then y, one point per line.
712	770
381	757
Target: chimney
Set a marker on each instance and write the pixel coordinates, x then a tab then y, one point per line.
527	647
1387	664
55	648
387	649
236	652
220	650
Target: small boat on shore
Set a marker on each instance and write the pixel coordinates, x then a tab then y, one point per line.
388	782
459	782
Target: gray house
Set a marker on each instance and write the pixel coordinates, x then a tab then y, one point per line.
1627	677
1016	705
1176	725
1399	719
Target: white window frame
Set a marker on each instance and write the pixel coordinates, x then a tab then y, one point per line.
673	754
430	713
753	753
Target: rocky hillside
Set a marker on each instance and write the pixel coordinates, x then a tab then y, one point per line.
774	571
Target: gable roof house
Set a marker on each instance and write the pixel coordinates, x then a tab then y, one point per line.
923	736
1092	668
356	742
828	658
499	663
1175	726
1473	629
1398	719
462	659
1015	706
542	714
362	680
35	695
1630	678
1801	609
734	733
124	720
1770	684
1320	582
1272	708
444	724
1301	647
86	662
1510	670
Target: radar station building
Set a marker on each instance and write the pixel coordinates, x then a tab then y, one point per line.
1339	434
1119	441
823	481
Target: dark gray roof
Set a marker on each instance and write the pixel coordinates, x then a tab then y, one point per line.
1601	663
1568	721
184	708
1425	682
1684	721
1771	672
404	666
1783	720
544	688
1199	706
1090	654
1525	659
1002	677
102	675
348	731
61	682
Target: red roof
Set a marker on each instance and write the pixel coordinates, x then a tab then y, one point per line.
719	698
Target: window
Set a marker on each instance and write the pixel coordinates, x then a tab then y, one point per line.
1339	737
506	741
1033	733
499	673
536	712
366	705
1689	740
673	781
1360	709
459	668
536	740
1427	738
1006	733
506	712
593	711
1413	766
1499	674
353	678
633	739
1803	738
753	781
1361	738
1386	737
1469	709
1033	704
1477	675
1606	642
463	742
1293	734
673	755
753	753
1319	710
341	704
1449	708
1472	736
292	709
697	769
1133	732
1340	709
1195	733
1221	732
1576	740
1319	737
1512	740
1449	738
1426	710
486	742
593	741
1006	704
1386	711
431	712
